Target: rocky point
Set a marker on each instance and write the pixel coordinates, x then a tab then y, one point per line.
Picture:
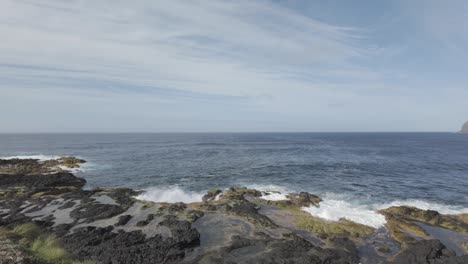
47	217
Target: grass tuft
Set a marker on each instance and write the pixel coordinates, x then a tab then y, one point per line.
28	230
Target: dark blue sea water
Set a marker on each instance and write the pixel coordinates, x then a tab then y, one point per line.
369	167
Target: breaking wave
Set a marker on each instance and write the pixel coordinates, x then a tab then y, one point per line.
170	195
38	157
337	206
334	210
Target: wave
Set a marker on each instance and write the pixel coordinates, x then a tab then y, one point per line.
271	192
334	210
336	206
170	195
38	157
425	205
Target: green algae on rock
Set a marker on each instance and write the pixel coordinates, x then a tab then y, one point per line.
457	223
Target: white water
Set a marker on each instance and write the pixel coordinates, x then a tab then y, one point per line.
38	157
272	196
333	207
334	210
170	195
337	206
441	208
271	192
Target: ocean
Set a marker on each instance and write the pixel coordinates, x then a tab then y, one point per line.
355	173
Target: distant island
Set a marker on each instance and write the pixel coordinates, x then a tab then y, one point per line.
464	128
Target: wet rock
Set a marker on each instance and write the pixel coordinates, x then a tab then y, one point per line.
304	199
211	195
296	200
234	203
401	222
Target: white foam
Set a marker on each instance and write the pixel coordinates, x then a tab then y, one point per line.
38	157
269	188
271	192
71	170
441	208
332	209
170	195
274	196
335	206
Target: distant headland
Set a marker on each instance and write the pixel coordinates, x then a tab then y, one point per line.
464	128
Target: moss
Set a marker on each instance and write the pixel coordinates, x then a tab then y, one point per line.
403	231
70	162
324	227
458	223
43	248
146	204
241	190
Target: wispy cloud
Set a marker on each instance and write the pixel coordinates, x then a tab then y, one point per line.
216	47
181	64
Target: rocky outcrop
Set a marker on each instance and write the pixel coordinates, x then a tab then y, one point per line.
427	251
36	167
109	225
12	253
464	128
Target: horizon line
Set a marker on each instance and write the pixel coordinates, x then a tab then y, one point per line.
222	132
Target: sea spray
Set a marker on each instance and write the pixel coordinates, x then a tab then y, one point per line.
172	194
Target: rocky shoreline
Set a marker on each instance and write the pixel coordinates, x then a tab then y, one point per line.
47	217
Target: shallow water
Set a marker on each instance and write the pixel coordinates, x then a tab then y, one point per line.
356	171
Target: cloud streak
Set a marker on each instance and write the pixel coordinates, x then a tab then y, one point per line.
245	63
229	48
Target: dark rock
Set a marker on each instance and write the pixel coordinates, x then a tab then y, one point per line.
264	249
67	205
123	220
12	253
94	211
304	199
211	195
427	251
142	223
63	179
105	246
37	167
123	196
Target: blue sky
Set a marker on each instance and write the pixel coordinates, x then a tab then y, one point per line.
165	66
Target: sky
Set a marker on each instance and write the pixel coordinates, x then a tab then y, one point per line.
233	66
